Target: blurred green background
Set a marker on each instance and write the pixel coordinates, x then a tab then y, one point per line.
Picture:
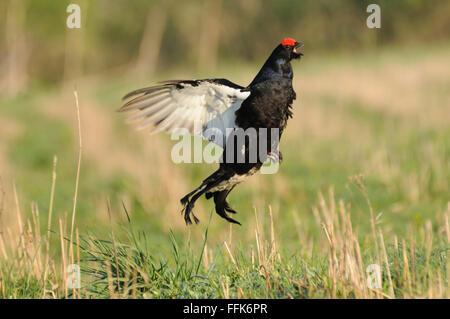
192	35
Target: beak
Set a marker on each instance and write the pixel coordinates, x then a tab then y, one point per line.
298	45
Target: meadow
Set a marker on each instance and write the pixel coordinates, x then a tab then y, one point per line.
364	181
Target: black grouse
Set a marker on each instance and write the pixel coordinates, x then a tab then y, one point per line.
224	107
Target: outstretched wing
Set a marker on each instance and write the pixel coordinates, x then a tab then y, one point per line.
200	106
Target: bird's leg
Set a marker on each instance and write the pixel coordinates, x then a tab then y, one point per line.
187	211
188	206
211	181
228	208
226	205
189	203
185	199
219	200
276	156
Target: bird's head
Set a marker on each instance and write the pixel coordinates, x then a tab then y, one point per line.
278	62
289	48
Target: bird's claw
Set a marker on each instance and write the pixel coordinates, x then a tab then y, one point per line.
187	211
275	156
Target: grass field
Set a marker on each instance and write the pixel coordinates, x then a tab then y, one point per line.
365	180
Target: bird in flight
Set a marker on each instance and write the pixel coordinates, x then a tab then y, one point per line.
223	110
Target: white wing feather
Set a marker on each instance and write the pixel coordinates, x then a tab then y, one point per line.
200	106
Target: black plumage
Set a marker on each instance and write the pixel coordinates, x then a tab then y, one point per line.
221	104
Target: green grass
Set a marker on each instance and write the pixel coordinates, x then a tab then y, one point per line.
182	274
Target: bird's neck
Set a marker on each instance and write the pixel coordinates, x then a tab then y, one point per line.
274	67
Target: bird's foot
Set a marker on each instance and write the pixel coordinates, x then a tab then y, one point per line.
187	211
184	200
231	220
221	212
275	156
229	209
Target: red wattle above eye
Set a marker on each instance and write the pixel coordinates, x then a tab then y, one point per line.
288	41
